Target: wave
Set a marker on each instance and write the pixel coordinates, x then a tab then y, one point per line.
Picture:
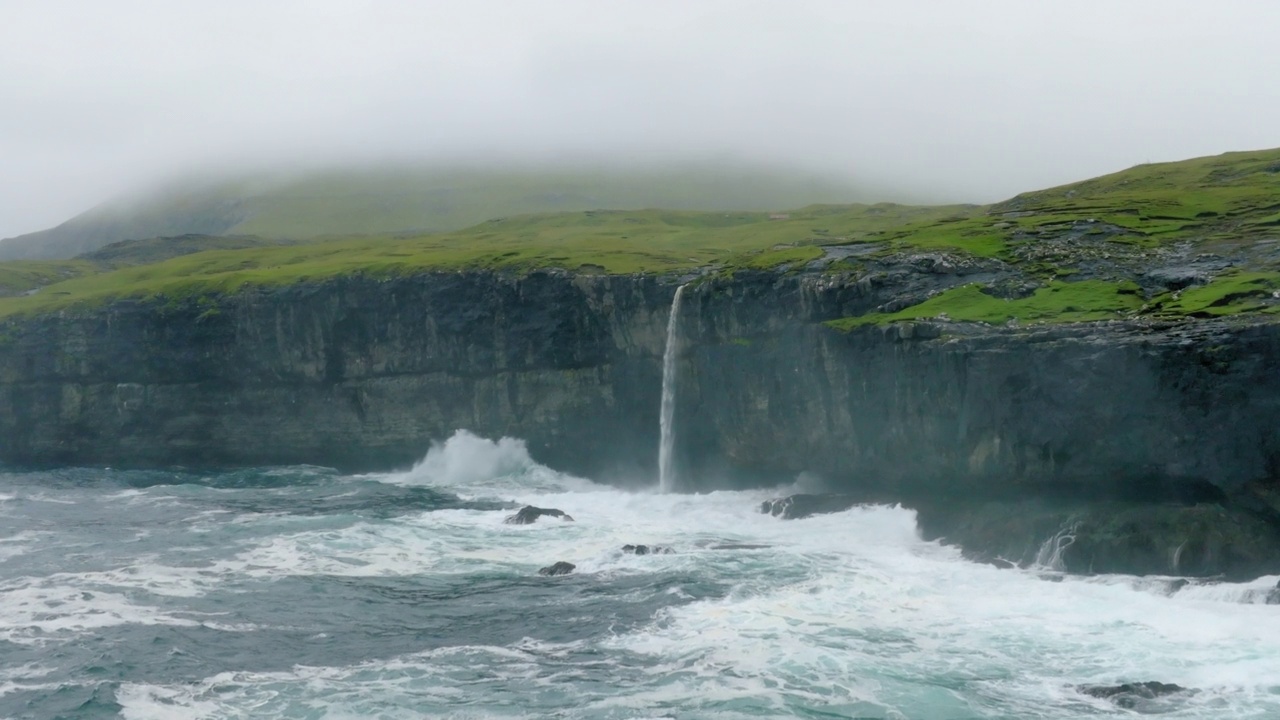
469	463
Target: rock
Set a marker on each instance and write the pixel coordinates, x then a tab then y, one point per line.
560	568
1131	695
647	549
799	506
1180	277
1273	595
530	514
1075	535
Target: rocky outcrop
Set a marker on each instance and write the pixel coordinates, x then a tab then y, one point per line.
647	550
560	568
1134	696
1194	539
529	514
803	505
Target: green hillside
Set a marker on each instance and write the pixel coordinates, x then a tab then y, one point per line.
592	241
373	201
1077	252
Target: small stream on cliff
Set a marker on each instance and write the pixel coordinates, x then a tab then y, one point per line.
300	592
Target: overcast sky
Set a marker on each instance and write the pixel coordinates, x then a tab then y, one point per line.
970	101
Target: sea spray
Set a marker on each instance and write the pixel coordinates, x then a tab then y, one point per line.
241	595
1050	555
666	472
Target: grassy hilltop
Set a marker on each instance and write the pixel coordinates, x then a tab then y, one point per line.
1078	250
412	199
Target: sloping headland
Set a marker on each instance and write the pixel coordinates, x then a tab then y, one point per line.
1089	368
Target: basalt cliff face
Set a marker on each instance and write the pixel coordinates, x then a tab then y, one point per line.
356	373
364	374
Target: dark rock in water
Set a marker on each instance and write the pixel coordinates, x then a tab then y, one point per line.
560	568
530	514
1131	695
647	549
1199	540
799	506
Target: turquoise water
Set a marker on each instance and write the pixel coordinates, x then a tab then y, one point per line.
303	593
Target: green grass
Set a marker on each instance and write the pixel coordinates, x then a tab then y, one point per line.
970	235
418	198
1087	300
1225	295
1058	302
1234	194
21	276
615	242
793	257
1233	198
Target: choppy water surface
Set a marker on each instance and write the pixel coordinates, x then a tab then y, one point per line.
302	593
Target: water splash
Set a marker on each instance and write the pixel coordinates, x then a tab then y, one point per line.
474	467
1050	556
666	471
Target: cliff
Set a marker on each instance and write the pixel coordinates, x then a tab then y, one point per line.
355	373
1088	366
364	374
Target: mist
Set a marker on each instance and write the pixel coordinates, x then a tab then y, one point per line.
937	101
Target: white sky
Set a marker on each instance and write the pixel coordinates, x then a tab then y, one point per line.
955	99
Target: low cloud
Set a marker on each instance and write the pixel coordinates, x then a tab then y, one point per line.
964	101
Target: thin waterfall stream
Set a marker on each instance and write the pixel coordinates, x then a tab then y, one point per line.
666	471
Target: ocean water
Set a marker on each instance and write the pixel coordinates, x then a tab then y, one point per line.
300	592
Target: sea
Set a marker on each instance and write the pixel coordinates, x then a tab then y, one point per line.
303	592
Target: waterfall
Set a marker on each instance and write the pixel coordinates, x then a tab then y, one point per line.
666	473
1050	555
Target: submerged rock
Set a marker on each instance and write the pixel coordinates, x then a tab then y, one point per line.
530	514
1132	695
560	568
795	507
647	550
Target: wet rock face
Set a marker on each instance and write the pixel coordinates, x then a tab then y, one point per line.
647	550
1202	540
1133	696
361	373
795	507
560	568
356	373
529	514
1224	538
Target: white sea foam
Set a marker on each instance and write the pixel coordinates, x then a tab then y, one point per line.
474	466
20	543
36	612
848	614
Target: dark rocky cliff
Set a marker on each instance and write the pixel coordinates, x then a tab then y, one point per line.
1115	407
364	374
354	373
